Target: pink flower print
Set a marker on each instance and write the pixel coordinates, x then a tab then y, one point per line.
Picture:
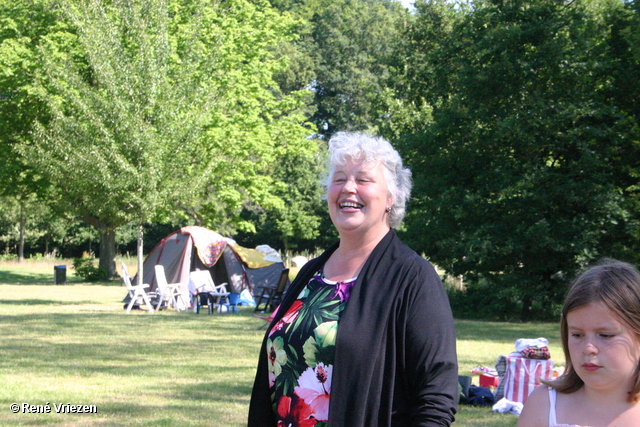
314	387
294	412
289	316
272	379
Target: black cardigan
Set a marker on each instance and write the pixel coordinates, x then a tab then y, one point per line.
395	360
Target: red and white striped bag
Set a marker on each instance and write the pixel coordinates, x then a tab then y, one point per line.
523	375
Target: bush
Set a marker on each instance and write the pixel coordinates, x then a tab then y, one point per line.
486	301
477	302
84	268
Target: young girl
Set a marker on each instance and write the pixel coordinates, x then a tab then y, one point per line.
600	331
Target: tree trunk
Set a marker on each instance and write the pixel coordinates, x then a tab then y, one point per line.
22	226
108	252
140	273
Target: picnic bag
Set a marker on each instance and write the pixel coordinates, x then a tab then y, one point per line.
480	396
522	375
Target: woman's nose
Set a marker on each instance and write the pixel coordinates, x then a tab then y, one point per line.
349	186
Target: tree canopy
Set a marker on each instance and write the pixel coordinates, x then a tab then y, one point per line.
528	167
156	105
520	120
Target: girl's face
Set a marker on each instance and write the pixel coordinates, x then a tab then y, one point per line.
358	197
604	352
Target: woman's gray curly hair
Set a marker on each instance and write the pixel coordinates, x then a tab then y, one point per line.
345	146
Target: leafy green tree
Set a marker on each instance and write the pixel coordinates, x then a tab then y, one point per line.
301	192
355	40
302	223
22	25
619	64
9	219
523	175
27	224
157	105
342	55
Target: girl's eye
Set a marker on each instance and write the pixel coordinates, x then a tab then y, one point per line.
576	335
607	335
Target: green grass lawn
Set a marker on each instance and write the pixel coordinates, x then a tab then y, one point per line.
74	344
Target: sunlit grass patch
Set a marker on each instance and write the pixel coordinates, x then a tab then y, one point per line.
75	344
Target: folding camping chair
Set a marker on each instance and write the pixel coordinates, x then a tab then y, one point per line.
271	295
169	292
137	293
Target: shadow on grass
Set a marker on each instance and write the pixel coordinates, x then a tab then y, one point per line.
216	391
199	367
119	344
42	302
29	278
167	368
8	278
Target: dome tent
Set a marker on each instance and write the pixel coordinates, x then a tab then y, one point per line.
198	248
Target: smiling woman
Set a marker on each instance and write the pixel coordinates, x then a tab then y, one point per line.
326	356
359	203
348	148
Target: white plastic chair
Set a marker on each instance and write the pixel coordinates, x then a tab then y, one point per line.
169	292
203	286
137	293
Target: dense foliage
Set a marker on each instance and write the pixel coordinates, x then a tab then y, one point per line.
520	120
528	169
144	101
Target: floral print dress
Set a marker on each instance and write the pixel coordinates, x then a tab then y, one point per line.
300	350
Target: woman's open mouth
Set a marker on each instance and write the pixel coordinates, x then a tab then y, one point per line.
350	205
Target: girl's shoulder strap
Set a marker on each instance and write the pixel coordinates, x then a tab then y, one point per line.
552	406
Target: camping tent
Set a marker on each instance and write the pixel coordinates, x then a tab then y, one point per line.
198	248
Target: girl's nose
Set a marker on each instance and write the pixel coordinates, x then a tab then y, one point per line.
589	348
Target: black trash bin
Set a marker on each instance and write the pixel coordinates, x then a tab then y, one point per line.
60	275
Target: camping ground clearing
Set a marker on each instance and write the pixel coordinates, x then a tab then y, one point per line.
74	344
